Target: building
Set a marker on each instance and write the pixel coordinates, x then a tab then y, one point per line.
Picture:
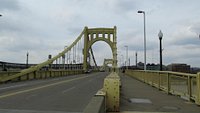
179	67
194	70
153	66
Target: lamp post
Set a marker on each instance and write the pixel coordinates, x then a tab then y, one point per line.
122	63
63	58
27	54
136	59
144	39
49	57
160	35
126	56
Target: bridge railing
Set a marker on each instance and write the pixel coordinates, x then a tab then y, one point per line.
182	84
40	74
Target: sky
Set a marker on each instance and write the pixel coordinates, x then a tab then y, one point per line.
43	27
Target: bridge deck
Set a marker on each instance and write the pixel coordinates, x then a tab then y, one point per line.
69	94
138	96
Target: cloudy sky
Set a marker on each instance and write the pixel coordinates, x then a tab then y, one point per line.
44	27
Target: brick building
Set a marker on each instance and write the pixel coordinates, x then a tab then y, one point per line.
179	68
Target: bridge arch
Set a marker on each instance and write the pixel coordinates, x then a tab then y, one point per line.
94	35
98	47
100	39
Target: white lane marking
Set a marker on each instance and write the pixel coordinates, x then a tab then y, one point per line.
68	89
15	86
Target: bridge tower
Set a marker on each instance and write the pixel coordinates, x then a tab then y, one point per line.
92	35
105	63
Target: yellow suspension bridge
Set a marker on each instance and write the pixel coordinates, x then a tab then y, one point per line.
69	83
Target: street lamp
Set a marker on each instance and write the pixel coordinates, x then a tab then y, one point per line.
136	59
63	57
126	56
0	15
122	62
27	54
144	39
160	35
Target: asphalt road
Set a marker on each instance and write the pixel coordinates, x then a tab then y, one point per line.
69	94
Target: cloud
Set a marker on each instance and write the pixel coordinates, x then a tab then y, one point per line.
44	27
185	35
182	54
101	51
125	6
9	5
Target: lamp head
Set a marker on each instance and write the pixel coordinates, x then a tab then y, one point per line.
140	11
160	34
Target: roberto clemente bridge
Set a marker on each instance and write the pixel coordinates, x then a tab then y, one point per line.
69	88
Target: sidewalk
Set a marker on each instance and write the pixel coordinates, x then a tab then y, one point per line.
138	96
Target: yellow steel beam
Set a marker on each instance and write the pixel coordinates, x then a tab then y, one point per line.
89	40
39	66
198	89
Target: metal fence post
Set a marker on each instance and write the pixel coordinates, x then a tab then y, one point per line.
159	80
197	101
168	83
189	87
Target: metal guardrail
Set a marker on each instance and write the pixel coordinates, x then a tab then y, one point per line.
41	74
182	84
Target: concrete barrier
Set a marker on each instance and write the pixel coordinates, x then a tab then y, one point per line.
108	98
97	103
112	89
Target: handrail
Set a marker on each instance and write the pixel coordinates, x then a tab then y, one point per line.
185	85
170	72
